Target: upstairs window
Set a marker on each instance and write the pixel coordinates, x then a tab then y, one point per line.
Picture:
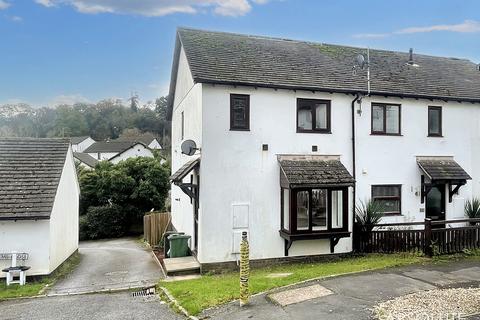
239	112
389	196
313	116
386	119
434	121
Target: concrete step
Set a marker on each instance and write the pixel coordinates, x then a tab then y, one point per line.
181	266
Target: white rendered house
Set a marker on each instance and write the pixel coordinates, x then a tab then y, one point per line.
118	150
79	144
39	202
289	140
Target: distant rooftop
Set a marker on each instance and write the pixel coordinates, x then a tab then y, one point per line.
111	146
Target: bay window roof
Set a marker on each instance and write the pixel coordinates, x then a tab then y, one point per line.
313	171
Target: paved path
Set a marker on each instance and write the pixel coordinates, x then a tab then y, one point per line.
114	306
110	264
354	295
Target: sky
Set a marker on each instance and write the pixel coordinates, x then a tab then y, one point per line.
67	51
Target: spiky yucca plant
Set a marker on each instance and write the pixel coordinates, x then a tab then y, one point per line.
367	214
472	208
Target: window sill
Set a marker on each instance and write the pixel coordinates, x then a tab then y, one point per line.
313	131
435	136
386	134
313	235
239	129
393	215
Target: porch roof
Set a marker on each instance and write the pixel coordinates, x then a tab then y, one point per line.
442	168
181	173
314	171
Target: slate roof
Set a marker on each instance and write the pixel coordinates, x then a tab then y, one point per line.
145	138
225	58
77	140
184	170
86	158
111	146
315	173
443	169
30	171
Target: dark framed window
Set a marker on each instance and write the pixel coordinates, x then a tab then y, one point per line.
314	210
390	196
239	112
313	115
183	126
386	119
434	121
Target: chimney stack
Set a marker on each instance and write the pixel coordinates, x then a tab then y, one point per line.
410	58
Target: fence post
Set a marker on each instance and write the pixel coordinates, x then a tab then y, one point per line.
428	238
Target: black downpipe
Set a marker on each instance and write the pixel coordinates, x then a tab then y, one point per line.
354	159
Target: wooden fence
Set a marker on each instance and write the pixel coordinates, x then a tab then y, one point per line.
430	237
155	225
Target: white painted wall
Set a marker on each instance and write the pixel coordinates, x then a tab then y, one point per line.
138	150
28	236
236	170
188	99
64	217
103	155
80	147
155	145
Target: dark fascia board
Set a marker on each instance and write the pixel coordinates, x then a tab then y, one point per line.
173	77
133	145
335	90
34	218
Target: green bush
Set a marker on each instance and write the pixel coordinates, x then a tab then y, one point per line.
105	222
114	198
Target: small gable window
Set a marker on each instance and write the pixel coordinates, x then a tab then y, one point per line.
386	119
434	121
239	112
313	116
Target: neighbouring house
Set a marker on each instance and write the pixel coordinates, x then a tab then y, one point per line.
289	139
39	198
85	160
147	139
118	150
79	144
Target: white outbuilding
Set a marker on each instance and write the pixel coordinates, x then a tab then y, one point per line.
39	198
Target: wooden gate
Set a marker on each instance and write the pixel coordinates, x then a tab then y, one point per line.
154	227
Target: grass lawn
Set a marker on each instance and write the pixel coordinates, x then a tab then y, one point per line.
213	290
33	288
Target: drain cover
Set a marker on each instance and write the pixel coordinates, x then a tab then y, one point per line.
144	292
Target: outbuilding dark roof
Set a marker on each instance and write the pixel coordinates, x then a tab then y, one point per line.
311	172
226	58
86	159
443	169
111	146
30	170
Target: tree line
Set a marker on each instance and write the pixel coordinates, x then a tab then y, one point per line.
107	119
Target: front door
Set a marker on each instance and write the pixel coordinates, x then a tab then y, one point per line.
435	204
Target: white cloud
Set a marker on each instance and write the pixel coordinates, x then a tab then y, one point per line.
4	4
468	26
16	18
46	3
155	8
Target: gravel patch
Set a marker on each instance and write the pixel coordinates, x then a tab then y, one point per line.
456	303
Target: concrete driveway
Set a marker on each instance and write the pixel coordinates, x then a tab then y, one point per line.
110	265
114	306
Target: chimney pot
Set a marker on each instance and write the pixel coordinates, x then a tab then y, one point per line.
410	59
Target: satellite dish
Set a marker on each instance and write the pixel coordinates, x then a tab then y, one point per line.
360	61
189	147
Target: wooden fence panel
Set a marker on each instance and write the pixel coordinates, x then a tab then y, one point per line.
432	239
154	227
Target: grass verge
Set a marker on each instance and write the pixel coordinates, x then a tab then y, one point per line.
36	287
213	290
